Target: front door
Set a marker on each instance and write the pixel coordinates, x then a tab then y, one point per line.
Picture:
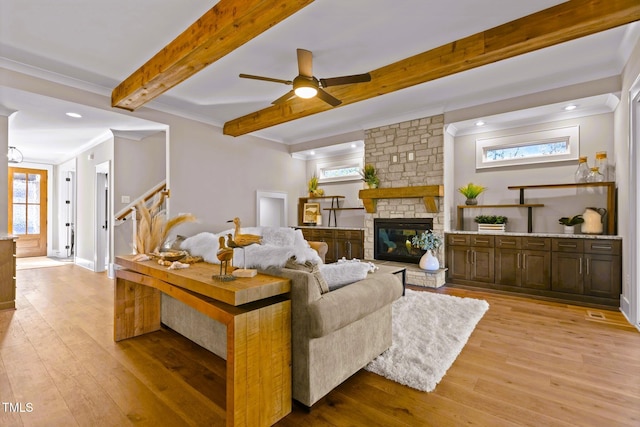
28	210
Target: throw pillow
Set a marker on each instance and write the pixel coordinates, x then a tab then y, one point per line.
340	274
307	266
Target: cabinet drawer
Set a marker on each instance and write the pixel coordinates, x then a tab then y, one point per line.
536	243
348	234
470	240
508	242
598	246
458	239
482	241
567	245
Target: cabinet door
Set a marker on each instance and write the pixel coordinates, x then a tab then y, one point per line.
457	261
603	276
508	267
7	274
536	269
566	273
349	244
482	267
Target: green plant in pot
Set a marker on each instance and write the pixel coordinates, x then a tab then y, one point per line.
570	223
495	223
491	219
369	176
471	191
312	186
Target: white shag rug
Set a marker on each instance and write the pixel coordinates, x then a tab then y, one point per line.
429	331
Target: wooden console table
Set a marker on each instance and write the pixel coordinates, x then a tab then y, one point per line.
256	312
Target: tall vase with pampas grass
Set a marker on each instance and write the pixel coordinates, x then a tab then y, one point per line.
153	226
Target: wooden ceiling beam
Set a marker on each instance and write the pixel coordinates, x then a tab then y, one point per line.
558	24
221	30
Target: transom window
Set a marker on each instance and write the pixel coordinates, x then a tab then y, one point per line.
536	147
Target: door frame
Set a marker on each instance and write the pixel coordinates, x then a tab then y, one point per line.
102	249
50	193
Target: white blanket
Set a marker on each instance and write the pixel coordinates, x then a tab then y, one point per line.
278	245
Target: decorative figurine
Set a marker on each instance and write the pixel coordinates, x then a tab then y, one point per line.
240	240
225	256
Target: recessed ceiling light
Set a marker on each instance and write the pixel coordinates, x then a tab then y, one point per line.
353	145
313	153
480	123
74	115
570	107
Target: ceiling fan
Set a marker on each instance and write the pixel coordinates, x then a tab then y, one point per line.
305	85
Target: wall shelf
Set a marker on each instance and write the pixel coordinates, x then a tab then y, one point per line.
335	206
611	196
529	207
427	193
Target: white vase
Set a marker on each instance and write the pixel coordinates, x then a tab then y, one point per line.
429	262
569	229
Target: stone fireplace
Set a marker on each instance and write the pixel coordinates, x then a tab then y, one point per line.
407	154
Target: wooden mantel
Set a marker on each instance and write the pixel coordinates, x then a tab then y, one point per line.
428	193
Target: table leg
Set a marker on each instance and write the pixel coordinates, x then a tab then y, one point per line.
259	366
136	309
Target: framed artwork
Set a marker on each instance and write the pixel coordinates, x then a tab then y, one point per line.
311	211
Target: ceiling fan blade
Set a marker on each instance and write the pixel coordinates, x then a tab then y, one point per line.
344	80
305	63
266	79
329	99
284	98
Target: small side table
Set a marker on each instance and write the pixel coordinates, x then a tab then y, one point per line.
395	269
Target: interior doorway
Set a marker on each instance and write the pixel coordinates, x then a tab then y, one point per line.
28	210
271	209
102	224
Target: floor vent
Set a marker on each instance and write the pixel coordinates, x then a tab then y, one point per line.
601	317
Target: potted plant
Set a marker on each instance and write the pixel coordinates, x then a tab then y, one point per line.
471	191
492	223
430	242
369	176
570	223
312	186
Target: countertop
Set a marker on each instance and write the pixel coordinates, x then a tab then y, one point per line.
556	235
5	236
324	227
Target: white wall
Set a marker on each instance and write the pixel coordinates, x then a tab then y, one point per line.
138	166
630	285
4	171
596	134
86	196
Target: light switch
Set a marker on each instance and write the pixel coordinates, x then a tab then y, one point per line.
125	200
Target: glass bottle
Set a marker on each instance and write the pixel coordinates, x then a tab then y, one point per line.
595	175
601	163
583	170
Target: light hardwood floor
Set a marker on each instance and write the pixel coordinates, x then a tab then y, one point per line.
527	363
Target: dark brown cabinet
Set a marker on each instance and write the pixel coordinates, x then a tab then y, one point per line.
576	269
7	274
587	267
523	261
341	243
470	257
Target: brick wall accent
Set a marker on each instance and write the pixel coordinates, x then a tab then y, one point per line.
421	138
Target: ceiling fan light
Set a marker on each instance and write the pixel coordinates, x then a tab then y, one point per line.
305	92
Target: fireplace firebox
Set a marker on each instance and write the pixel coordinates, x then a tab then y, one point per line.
392	238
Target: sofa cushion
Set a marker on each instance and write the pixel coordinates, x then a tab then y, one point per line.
344	306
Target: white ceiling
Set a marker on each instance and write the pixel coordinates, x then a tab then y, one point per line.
97	44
